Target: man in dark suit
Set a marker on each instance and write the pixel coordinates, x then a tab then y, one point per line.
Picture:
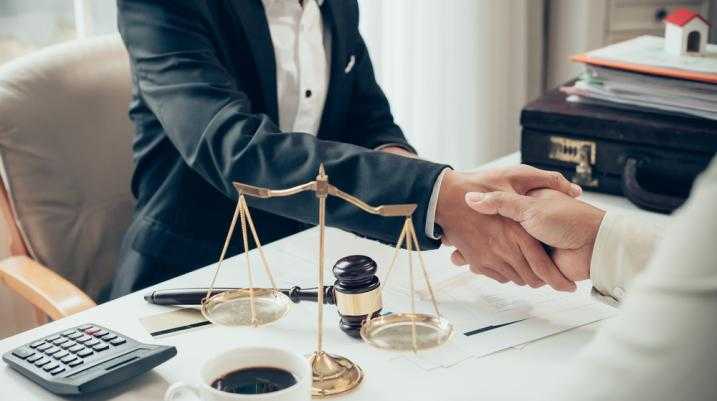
262	92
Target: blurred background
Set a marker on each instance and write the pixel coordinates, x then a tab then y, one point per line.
456	72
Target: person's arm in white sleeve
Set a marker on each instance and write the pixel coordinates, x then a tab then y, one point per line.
662	346
623	247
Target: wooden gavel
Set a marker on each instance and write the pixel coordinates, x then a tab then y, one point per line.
356	293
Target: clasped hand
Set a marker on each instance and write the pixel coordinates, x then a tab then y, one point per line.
498	221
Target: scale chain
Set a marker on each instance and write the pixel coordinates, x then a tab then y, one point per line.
422	263
401	238
232	225
264	263
413	290
242	214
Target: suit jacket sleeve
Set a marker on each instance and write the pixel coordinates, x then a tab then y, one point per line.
209	120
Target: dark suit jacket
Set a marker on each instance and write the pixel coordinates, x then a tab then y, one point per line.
205	110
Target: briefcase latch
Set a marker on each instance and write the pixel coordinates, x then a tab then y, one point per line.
582	153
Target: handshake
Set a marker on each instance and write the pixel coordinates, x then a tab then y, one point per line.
500	222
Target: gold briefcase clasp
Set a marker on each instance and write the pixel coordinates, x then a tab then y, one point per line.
582	153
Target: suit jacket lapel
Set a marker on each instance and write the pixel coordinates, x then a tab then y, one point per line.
333	16
253	19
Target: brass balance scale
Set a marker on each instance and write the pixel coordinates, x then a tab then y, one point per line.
251	306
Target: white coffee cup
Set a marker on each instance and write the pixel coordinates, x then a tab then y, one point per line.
241	358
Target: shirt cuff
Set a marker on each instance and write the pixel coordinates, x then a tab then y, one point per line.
606	299
397	145
432	204
603	264
623	247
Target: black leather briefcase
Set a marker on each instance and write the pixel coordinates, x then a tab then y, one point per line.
649	157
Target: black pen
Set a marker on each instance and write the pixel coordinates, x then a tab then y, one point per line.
181	296
194	296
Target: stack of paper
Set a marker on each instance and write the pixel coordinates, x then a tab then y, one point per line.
640	74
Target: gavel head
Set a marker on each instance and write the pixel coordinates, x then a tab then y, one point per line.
357	292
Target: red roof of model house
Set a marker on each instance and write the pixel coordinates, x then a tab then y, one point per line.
682	16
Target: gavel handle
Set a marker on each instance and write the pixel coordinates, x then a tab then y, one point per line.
297	294
194	296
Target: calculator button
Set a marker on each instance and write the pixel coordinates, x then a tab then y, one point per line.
100	333
60	340
34	358
75	363
76	348
52	350
68	344
92	342
84	353
75	335
42	361
53	338
100	347
83	338
57	370
109	336
23	352
36	344
92	330
60	354
52	365
44	347
67	332
85	327
68	358
118	341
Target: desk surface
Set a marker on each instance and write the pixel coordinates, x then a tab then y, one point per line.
507	375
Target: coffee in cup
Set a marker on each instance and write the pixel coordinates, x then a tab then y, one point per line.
256	373
255	380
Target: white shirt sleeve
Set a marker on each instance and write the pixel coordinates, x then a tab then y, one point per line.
662	345
390	145
432	204
623	247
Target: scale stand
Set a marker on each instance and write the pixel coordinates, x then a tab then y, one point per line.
332	374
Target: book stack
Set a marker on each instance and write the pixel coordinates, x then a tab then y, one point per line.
640	74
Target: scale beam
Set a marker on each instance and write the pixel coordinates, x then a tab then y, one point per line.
322	188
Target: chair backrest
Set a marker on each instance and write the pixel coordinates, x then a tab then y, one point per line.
65	156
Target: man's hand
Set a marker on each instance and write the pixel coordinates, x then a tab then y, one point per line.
566	224
492	245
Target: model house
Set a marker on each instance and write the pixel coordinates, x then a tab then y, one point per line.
685	33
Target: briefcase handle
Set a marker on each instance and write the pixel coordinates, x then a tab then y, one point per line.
642	197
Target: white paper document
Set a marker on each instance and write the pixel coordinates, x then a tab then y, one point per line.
650	50
496	316
489	316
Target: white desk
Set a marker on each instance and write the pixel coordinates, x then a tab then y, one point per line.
508	375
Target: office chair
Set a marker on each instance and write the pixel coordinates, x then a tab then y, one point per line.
65	163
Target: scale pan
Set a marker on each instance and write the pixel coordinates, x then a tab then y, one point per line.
395	331
233	308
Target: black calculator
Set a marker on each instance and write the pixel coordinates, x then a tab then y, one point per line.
84	359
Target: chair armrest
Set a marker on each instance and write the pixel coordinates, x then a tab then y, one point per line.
42	287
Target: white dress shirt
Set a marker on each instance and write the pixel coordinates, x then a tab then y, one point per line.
663	345
302	50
